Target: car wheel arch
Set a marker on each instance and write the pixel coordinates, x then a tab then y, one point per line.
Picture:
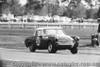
28	42
53	49
50	41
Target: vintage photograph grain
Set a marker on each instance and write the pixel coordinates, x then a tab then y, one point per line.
49	33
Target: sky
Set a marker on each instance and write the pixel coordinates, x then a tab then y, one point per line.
23	2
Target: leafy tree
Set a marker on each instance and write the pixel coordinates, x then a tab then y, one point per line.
98	13
52	9
89	1
68	12
5	7
0	7
77	1
79	11
31	6
16	8
99	0
92	13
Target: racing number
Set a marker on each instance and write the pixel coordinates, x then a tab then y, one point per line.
38	41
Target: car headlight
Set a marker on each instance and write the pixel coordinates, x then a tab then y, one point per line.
77	38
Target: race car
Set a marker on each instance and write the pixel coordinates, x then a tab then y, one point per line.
53	39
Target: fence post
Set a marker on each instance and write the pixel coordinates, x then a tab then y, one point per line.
93	27
9	25
79	26
47	25
71	26
23	24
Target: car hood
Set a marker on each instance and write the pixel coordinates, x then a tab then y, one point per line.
61	37
64	37
68	40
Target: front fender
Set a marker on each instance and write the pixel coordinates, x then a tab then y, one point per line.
53	40
28	41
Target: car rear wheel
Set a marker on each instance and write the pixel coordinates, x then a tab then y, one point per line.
32	48
51	48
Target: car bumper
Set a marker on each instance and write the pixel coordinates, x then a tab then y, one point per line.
60	46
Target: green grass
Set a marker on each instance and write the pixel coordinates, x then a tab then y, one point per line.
12	41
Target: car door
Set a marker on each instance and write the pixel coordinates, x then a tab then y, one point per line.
41	41
44	39
38	37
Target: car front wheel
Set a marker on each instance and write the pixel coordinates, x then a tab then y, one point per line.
51	48
74	50
32	48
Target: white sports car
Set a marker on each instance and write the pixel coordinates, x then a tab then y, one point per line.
53	39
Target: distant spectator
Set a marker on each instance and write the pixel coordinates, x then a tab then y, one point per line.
98	25
80	20
98	31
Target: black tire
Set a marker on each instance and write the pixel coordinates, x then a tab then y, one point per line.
97	43
51	48
76	44
32	48
74	50
26	43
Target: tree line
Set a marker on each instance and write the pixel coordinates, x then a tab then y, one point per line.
74	10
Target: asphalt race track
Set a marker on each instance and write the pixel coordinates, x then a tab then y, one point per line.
43	56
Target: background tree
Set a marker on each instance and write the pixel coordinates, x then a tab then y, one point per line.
5	7
89	1
62	11
68	12
92	13
33	5
78	11
98	13
16	8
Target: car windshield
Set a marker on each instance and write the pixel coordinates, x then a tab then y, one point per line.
54	31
